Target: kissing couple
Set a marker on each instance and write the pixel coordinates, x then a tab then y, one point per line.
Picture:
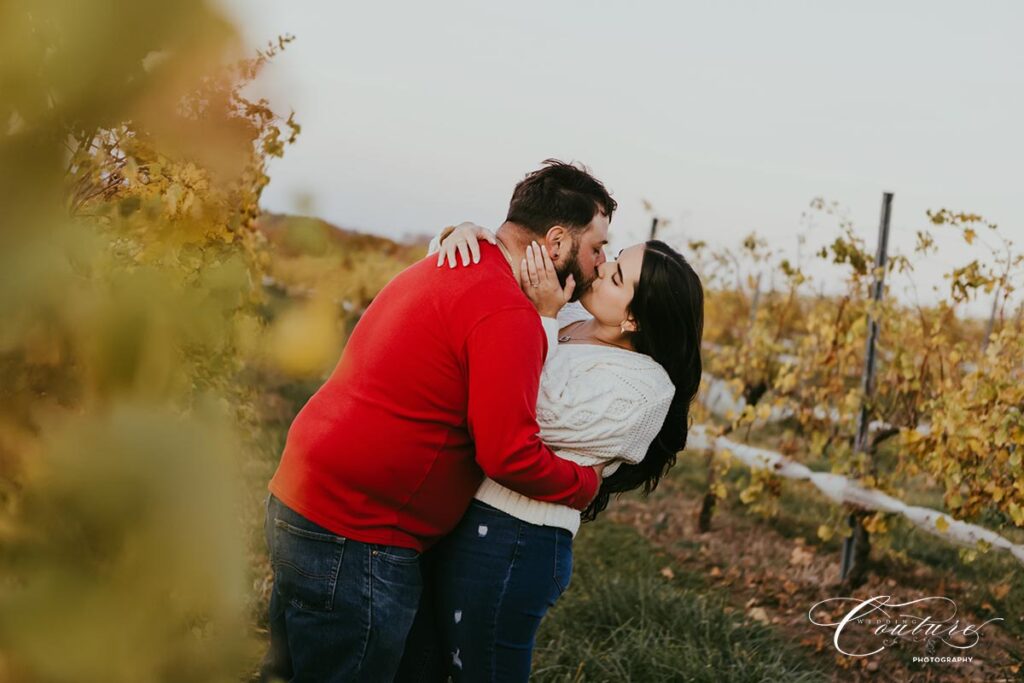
421	520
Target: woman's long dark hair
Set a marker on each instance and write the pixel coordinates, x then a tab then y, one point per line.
668	306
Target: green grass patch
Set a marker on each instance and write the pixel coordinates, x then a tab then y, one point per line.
621	620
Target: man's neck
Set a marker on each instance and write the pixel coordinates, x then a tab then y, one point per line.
513	240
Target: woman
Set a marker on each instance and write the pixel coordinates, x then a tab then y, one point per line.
617	392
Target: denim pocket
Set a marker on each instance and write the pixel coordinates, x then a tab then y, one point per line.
393	553
562	572
306	566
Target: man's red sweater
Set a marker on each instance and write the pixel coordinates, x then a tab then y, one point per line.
437	387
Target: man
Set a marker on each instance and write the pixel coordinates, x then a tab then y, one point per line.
437	387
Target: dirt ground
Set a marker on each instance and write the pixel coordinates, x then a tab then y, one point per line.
776	580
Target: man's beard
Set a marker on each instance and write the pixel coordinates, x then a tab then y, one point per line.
571	266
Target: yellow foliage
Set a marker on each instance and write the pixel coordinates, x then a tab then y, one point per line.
305	339
956	410
132	280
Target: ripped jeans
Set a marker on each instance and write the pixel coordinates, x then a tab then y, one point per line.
488	585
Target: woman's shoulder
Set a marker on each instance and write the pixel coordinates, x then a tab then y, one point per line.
619	366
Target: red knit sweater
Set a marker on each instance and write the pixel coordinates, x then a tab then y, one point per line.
437	386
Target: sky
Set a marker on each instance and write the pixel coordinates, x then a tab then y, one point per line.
728	117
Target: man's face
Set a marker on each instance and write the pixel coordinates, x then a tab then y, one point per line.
585	253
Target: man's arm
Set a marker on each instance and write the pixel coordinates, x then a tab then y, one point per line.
504	353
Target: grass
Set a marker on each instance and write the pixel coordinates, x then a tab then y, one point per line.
622	620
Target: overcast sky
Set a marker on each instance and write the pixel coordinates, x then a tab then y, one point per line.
727	116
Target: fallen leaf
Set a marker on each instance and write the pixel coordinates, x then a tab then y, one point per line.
758	614
800	556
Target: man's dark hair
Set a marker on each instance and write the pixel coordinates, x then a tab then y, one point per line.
558	194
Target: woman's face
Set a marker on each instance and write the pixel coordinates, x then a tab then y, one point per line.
611	293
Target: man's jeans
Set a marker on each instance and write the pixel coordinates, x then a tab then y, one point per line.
340	610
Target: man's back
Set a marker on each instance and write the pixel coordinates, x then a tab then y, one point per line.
384	451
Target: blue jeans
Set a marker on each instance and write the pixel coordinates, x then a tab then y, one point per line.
340	610
489	584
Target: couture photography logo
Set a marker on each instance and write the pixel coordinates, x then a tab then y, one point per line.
866	627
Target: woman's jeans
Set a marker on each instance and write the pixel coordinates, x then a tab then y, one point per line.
340	610
490	582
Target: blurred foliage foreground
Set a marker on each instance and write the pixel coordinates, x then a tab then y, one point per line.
137	327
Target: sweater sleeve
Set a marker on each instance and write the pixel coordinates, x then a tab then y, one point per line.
504	353
435	241
612	412
551	334
572	312
630	438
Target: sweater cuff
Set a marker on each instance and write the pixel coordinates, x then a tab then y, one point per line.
435	242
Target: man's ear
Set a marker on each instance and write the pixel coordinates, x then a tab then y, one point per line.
556	239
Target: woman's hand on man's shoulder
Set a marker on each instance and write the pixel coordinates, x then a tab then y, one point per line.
463	239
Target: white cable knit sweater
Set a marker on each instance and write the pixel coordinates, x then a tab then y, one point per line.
596	403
